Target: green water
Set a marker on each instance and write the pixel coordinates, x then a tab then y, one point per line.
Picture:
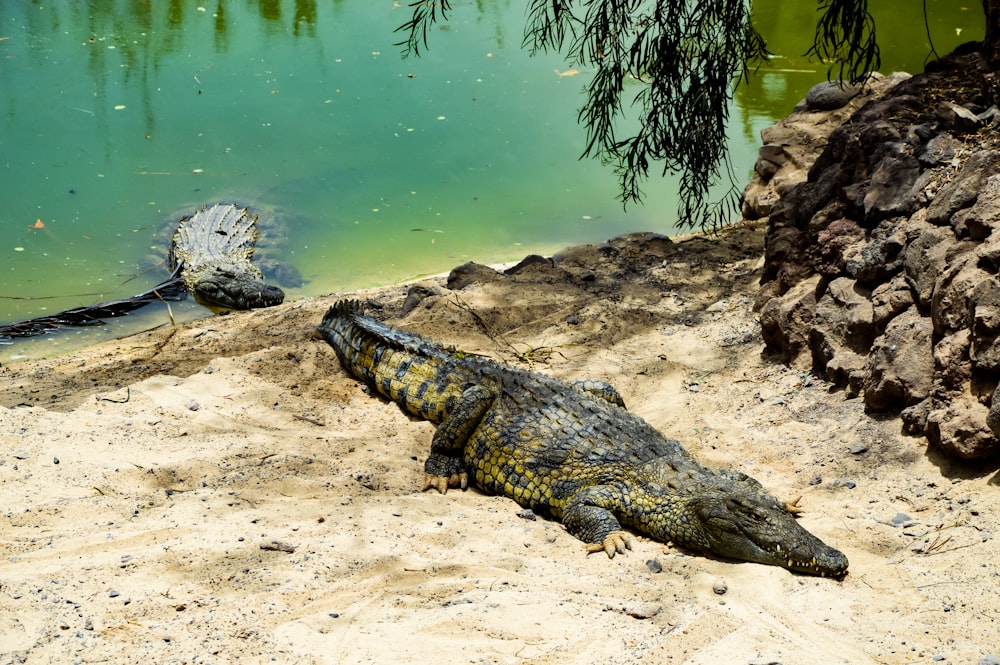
119	116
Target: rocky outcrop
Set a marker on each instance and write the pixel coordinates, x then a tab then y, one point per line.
881	260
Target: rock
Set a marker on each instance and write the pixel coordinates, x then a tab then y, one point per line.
993	415
900	368
785	321
950	296
835	246
888	300
964	188
924	260
957	118
899	519
417	294
532	260
952	367
471	273
937	150
891	190
830	95
984	321
881	256
960	429
984	214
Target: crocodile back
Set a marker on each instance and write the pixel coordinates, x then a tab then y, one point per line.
220	235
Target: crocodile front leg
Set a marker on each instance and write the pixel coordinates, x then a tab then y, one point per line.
588	516
445	466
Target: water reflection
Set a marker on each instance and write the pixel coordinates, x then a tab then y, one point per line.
122	115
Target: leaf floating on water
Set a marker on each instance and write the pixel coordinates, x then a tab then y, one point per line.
441	117
19	249
198	171
119	107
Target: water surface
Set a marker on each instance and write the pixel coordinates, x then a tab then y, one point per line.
119	116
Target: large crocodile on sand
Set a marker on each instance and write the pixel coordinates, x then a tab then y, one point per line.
570	451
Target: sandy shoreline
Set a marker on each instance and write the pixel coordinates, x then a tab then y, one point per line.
223	492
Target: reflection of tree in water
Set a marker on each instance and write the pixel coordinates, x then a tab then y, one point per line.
134	36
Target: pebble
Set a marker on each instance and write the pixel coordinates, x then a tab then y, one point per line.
816	480
720	587
989	659
654	566
114	593
900	519
193	405
858	448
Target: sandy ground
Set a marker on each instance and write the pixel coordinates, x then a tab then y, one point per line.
222	492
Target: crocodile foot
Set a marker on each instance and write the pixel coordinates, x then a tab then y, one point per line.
615	542
442	483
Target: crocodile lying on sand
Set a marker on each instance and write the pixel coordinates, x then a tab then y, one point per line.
570	451
213	248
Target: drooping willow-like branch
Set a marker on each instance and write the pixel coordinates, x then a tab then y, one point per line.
845	37
425	14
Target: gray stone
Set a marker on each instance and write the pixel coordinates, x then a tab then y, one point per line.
891	190
964	188
924	259
984	215
785	320
960	429
939	149
900	367
984	315
830	95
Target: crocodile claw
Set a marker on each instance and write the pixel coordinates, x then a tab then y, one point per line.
615	542
442	483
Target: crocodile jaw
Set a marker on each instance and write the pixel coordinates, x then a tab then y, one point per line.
223	290
731	515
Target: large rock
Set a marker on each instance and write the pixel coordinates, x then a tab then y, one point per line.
785	321
900	367
984	324
964	188
884	261
842	332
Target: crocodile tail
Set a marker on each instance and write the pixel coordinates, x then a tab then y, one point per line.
361	341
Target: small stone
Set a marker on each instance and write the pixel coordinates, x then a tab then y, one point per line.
816	480
900	519
88	625
55	460
989	659
654	566
114	593
193	405
526	514
858	448
647	611
720	587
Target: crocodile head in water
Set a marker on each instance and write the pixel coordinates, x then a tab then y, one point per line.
220	289
732	515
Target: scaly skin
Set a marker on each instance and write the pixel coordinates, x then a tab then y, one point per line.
214	247
570	451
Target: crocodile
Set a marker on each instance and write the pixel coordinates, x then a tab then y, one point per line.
213	248
570	451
